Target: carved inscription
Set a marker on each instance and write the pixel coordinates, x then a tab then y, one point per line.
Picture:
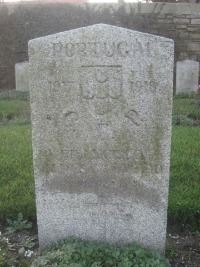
101	85
109	154
98	49
148	81
148	85
70	118
56	85
133	116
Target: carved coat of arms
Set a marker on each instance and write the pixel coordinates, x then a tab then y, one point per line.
101	86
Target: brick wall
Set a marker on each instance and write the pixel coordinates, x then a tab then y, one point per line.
21	22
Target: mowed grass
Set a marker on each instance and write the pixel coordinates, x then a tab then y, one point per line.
16	168
184	193
12	108
187	105
16	172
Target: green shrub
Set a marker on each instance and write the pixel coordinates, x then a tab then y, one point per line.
17	225
74	252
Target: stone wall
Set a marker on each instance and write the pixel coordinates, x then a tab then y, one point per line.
21	22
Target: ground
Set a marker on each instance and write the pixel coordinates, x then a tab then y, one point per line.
183	247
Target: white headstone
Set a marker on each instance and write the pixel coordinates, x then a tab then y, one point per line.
187	76
22	76
101	101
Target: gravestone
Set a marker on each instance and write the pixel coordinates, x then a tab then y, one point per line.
187	76
22	76
101	116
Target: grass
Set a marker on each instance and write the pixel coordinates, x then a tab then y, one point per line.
187	105
17	183
184	193
16	169
16	172
12	108
14	95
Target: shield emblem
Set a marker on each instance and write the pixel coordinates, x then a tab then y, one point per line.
101	85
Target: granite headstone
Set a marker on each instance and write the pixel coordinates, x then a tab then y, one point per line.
22	76
187	76
101	101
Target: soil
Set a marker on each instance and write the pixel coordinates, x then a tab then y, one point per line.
183	246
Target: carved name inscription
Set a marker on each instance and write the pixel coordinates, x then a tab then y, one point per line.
97	49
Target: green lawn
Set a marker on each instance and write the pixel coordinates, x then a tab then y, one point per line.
16	169
184	193
187	105
12	108
16	172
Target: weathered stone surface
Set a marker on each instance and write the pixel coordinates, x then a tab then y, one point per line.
195	21
181	21
181	26
193	29
193	46
22	76
168	21
187	76
183	34
194	36
182	56
181	48
101	115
